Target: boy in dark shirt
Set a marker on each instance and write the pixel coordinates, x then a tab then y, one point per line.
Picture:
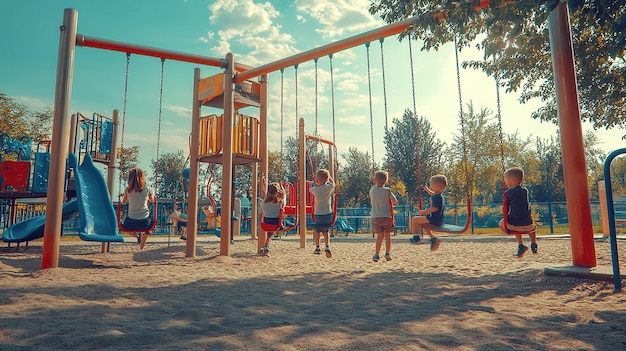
517	211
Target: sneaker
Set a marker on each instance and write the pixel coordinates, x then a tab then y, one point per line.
521	250
328	253
434	244
183	237
388	256
376	258
533	248
415	239
266	248
139	238
317	251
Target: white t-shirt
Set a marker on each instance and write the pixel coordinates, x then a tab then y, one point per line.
323	198
380	197
138	203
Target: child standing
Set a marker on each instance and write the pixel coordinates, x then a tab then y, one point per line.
323	211
432	216
270	212
138	194
382	200
517	210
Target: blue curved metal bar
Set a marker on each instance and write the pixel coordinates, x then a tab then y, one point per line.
617	278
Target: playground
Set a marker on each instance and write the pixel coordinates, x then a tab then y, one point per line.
471	294
216	292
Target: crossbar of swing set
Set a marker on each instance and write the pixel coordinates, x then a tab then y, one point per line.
375	34
318	139
97	43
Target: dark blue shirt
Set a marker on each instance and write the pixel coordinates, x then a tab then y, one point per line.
518	206
438	201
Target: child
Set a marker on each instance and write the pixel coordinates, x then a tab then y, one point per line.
432	216
323	212
382	215
179	221
138	194
518	211
270	212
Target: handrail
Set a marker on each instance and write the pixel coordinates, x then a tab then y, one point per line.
617	278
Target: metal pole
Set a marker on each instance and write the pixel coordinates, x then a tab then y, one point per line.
97	43
617	278
192	208
227	156
58	154
263	155
302	184
548	167
574	165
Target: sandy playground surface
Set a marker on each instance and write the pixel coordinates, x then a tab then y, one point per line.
471	294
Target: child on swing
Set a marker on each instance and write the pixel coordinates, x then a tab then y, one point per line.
382	216
517	211
432	216
270	211
137	194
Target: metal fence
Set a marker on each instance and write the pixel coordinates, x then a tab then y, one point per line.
550	216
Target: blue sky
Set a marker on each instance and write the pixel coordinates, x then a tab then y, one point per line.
256	32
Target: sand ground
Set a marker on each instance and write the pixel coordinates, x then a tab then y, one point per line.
471	294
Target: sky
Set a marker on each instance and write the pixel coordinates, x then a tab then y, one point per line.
256	32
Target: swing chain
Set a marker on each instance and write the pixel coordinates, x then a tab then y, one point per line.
461	115
121	151
369	87
417	128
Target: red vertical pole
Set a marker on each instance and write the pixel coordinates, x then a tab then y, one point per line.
572	148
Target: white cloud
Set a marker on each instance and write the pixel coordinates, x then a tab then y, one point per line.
179	110
32	103
249	25
339	16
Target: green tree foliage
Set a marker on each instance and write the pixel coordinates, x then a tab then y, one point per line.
17	121
400	143
355	179
170	172
515	39
128	158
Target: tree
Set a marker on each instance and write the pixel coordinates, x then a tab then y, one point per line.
515	38
128	158
170	172
17	121
355	179
400	143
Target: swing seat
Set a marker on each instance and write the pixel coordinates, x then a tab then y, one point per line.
514	232
271	227
450	229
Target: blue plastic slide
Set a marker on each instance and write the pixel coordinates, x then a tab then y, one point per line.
32	228
98	221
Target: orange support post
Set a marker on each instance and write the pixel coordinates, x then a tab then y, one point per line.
574	165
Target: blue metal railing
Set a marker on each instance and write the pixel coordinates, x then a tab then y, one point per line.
617	278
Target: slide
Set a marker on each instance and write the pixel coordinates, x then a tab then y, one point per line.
32	228
98	221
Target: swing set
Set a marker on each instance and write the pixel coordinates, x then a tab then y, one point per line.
137	232
233	74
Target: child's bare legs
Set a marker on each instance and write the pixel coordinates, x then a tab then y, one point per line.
327	242
387	245
144	238
316	239
379	243
424	223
